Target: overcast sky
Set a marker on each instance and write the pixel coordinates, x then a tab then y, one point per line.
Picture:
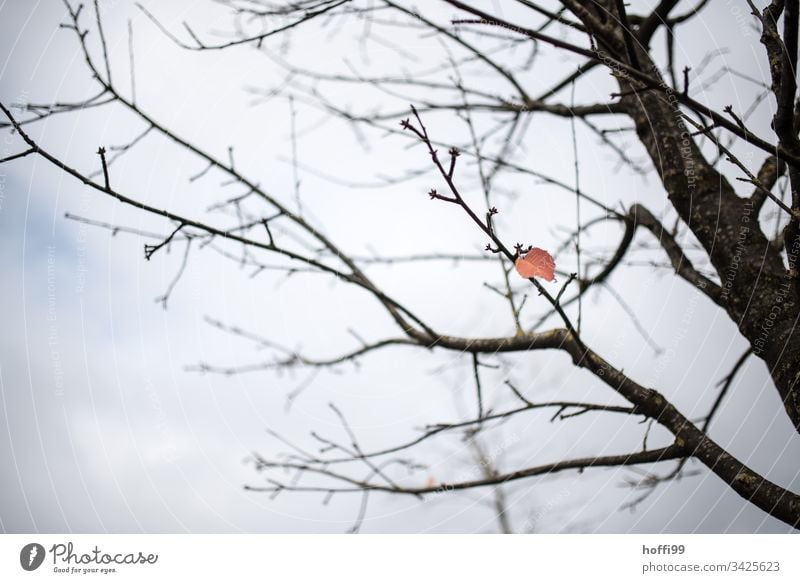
104	429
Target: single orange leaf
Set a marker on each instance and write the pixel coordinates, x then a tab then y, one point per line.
536	263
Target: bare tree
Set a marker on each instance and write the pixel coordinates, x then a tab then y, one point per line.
736	246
